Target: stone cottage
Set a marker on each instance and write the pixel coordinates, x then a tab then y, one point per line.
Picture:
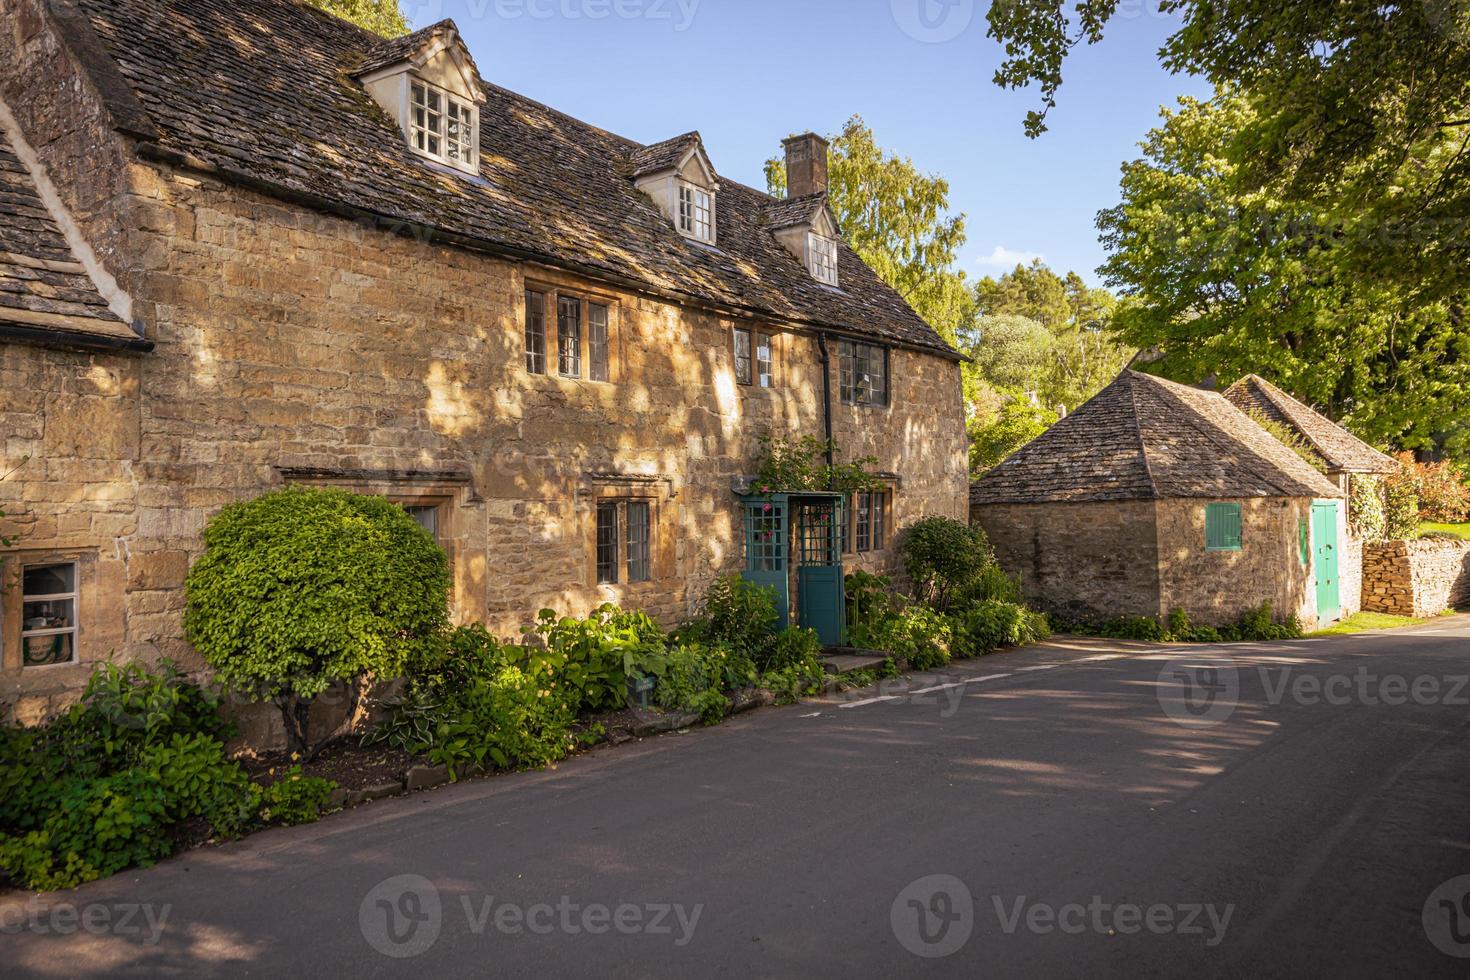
1155	496
1343	453
244	244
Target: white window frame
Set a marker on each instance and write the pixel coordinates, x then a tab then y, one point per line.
427	125
696	212
823	254
74	597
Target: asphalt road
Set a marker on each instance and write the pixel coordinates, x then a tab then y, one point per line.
1100	810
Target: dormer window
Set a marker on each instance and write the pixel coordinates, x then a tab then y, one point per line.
442	127
823	254
696	213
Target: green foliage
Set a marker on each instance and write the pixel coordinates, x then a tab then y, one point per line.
1254	625
300	589
1400	506
1002	422
795	646
103	786
1290	438
871	602
921	635
295	798
739	616
792	465
695	678
383	17
591	656
1366	510
802	673
991	624
943	556
1439	487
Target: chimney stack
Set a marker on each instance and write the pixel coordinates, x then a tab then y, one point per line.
806	165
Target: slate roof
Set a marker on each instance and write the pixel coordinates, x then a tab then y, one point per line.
43	288
1343	451
1144	438
794	210
261	91
398	49
662	156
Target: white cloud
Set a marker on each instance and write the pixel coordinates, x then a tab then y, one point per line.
1005	258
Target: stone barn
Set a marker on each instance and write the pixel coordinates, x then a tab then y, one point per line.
1153	497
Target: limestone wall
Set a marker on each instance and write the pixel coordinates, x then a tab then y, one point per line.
1416	578
1079	561
297	347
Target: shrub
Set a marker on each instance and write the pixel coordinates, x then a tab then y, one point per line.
1366	510
295	799
694	680
301	588
199	781
870	602
941	557
994	623
788	465
1440	488
1400	507
795	646
591	656
739	616
798	678
989	584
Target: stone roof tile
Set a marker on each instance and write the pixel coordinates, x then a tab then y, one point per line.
1342	450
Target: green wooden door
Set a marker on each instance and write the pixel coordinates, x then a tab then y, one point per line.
1324	565
766	559
820	596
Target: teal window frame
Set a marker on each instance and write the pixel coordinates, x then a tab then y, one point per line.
1223	529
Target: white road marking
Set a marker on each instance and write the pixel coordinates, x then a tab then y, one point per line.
987	677
814	714
938	687
1042	667
1101	656
865	701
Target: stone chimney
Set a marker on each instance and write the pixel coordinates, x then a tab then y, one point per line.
806	165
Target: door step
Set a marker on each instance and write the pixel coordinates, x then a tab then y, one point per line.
848	660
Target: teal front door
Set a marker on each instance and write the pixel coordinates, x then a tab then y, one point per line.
766	550
1325	561
820	596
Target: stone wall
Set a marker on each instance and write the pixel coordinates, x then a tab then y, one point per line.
1081	561
1416	578
293	346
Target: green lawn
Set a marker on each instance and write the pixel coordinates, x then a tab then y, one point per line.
1364	621
1458	530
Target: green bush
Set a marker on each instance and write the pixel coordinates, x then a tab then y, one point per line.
942	557
739	616
592	656
1366	510
1400	506
799	677
993	623
104	786
795	646
295	799
301	589
870	602
694	680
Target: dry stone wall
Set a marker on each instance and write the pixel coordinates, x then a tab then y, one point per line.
1416	578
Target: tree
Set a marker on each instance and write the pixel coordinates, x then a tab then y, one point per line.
383	17
897	219
1003	421
299	590
1082	355
1227	276
1013	351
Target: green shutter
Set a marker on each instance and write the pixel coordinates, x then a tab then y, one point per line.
1222	527
1304	541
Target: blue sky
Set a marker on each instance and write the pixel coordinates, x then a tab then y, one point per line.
746	73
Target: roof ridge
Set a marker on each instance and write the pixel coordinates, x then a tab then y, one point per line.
1148	470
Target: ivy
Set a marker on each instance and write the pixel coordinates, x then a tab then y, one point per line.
799	465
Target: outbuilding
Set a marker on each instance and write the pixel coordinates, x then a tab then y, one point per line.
1154	497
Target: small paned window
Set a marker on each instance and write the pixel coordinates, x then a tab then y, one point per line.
870	520
569	336
607	543
1222	527
696	213
763	373
442	127
638	541
823	252
742	357
862	371
535	332
48	614
597	345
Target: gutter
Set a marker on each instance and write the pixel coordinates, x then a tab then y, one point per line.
827	401
71	340
428	234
